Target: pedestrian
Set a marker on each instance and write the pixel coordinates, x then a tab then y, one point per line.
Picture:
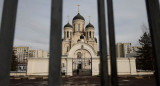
77	71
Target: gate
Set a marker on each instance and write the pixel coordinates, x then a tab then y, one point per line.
8	28
82	66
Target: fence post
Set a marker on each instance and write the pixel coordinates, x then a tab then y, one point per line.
55	44
112	43
6	39
153	11
102	44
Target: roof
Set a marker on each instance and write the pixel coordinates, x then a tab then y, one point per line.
79	16
89	25
68	25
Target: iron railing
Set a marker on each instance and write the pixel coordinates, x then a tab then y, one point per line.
8	28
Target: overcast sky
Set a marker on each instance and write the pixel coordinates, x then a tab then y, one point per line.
33	20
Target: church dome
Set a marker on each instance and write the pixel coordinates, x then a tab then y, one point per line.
89	25
78	16
68	25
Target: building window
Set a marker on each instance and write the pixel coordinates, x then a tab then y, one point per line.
67	49
70	35
79	27
74	27
62	64
83	27
90	34
64	34
67	34
89	62
79	55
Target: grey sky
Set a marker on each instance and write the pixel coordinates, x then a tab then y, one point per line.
33	20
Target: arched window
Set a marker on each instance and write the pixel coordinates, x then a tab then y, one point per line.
79	55
67	48
93	34
67	34
83	26
90	34
79	27
64	34
74	27
89	62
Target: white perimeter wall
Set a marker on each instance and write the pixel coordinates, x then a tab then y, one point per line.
39	66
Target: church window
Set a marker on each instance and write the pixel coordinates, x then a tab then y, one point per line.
74	27
93	34
83	27
79	27
67	49
89	62
79	55
62	64
64	34
90	33
67	34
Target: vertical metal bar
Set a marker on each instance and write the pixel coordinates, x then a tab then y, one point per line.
112	43
55	44
91	66
6	39
153	11
103	44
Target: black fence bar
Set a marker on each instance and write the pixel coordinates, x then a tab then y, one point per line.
153	11
112	43
103	44
55	44
6	39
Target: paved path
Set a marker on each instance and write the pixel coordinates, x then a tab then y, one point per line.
86	81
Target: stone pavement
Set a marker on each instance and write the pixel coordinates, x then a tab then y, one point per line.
85	81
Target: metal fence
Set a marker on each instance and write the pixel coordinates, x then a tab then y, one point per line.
8	28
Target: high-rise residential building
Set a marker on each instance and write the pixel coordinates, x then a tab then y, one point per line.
123	49
38	54
22	53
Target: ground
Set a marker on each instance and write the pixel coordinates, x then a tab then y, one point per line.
85	81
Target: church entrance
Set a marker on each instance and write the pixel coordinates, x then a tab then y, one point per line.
79	66
82	66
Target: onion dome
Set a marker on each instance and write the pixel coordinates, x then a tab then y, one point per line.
89	25
78	16
68	25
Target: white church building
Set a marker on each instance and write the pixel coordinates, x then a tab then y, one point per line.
79	48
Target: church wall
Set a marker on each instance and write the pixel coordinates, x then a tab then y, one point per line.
65	44
93	44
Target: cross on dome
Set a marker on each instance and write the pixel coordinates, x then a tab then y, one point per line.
78	7
89	18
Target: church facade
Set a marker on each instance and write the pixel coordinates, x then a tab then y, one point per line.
79	48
